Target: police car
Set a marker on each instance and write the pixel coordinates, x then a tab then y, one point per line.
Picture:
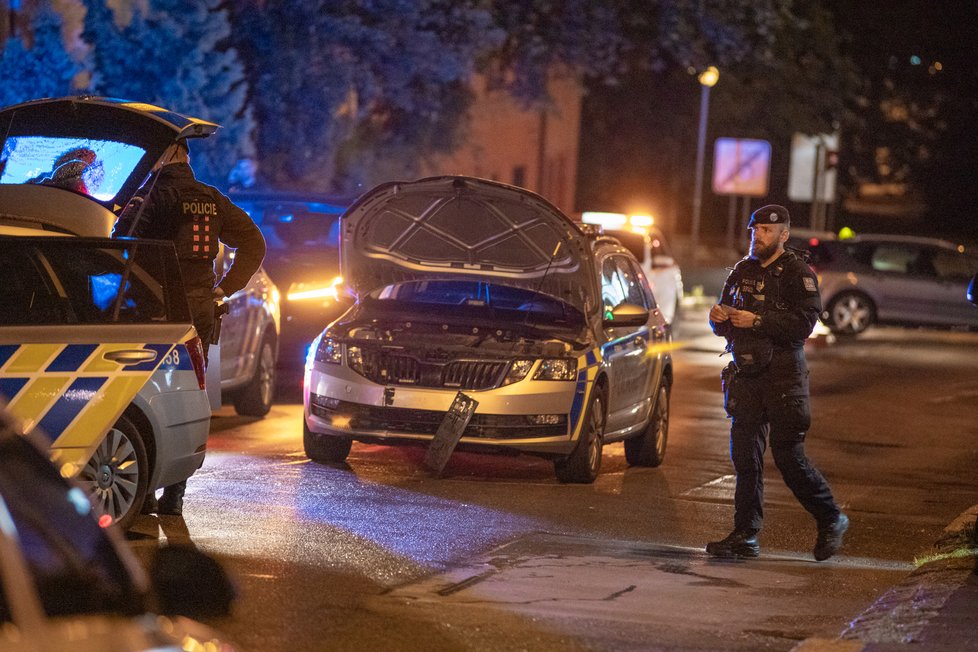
120	394
481	307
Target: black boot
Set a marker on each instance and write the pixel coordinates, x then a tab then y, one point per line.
739	543
171	502
829	539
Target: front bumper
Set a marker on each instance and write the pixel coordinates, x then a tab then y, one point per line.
530	416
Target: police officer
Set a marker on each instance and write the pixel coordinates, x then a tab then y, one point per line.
767	309
175	206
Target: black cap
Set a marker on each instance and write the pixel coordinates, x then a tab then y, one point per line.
770	214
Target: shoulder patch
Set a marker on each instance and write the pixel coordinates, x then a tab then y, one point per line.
810	284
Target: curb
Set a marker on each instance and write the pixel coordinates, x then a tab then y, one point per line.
899	616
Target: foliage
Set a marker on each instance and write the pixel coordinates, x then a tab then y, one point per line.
172	53
41	68
364	85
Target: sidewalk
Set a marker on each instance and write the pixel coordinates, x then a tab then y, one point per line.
934	608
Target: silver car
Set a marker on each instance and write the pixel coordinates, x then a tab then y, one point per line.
891	279
474	291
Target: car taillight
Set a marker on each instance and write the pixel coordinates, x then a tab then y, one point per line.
196	351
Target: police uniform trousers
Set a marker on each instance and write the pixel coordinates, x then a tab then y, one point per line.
773	404
202	313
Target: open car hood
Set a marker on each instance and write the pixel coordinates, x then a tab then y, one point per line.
101	149
469	228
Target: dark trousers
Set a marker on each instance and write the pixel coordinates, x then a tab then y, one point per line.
773	406
202	313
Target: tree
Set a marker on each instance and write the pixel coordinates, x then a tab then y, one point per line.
36	64
362	89
172	53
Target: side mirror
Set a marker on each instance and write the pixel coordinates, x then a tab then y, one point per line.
189	583
973	290
626	315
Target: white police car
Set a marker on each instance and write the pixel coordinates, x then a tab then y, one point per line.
471	291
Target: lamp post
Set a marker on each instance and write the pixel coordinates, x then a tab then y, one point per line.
708	78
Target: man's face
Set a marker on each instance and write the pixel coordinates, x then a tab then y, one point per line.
765	240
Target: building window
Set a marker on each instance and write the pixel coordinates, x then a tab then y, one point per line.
519	175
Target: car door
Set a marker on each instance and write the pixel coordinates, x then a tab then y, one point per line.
88	321
905	279
954	271
624	352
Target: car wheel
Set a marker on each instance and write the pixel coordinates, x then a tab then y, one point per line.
850	313
117	475
584	464
649	448
324	448
255	398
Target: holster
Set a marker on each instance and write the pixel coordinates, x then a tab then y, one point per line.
220	309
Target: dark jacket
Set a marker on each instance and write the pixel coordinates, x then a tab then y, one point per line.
785	294
195	216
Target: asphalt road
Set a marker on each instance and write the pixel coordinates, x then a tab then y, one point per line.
496	554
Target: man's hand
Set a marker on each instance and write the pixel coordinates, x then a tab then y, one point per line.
718	313
742	318
218	294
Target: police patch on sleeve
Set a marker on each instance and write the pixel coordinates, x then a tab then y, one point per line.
810	284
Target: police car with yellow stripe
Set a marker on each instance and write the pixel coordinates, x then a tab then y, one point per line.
488	320
97	348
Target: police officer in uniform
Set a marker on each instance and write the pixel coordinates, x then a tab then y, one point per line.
767	309
174	205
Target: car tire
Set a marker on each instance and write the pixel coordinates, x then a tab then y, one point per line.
325	448
117	475
649	448
255	398
850	313
583	465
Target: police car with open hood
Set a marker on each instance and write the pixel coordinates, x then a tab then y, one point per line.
471	292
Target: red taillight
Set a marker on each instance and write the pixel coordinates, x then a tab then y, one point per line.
196	351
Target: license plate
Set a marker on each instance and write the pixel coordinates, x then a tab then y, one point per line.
449	432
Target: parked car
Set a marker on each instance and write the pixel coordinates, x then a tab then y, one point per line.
302	258
475	288
973	289
892	279
115	143
67	584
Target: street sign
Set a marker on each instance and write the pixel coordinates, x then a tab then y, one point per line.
741	166
811	172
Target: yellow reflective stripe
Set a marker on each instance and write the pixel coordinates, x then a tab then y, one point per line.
33	402
100	365
85	432
32	358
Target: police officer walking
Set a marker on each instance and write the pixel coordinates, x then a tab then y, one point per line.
767	309
196	217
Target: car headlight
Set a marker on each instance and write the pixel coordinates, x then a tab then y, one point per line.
354	359
329	351
517	371
324	292
557	369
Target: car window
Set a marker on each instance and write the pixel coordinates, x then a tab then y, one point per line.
73	563
901	259
96	168
89	281
290	224
954	265
620	282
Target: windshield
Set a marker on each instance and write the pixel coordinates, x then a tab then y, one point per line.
477	298
288	225
96	168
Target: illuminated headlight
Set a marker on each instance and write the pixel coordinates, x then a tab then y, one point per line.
518	370
557	369
354	359
329	351
324	292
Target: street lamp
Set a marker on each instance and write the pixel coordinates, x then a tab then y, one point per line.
707	79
